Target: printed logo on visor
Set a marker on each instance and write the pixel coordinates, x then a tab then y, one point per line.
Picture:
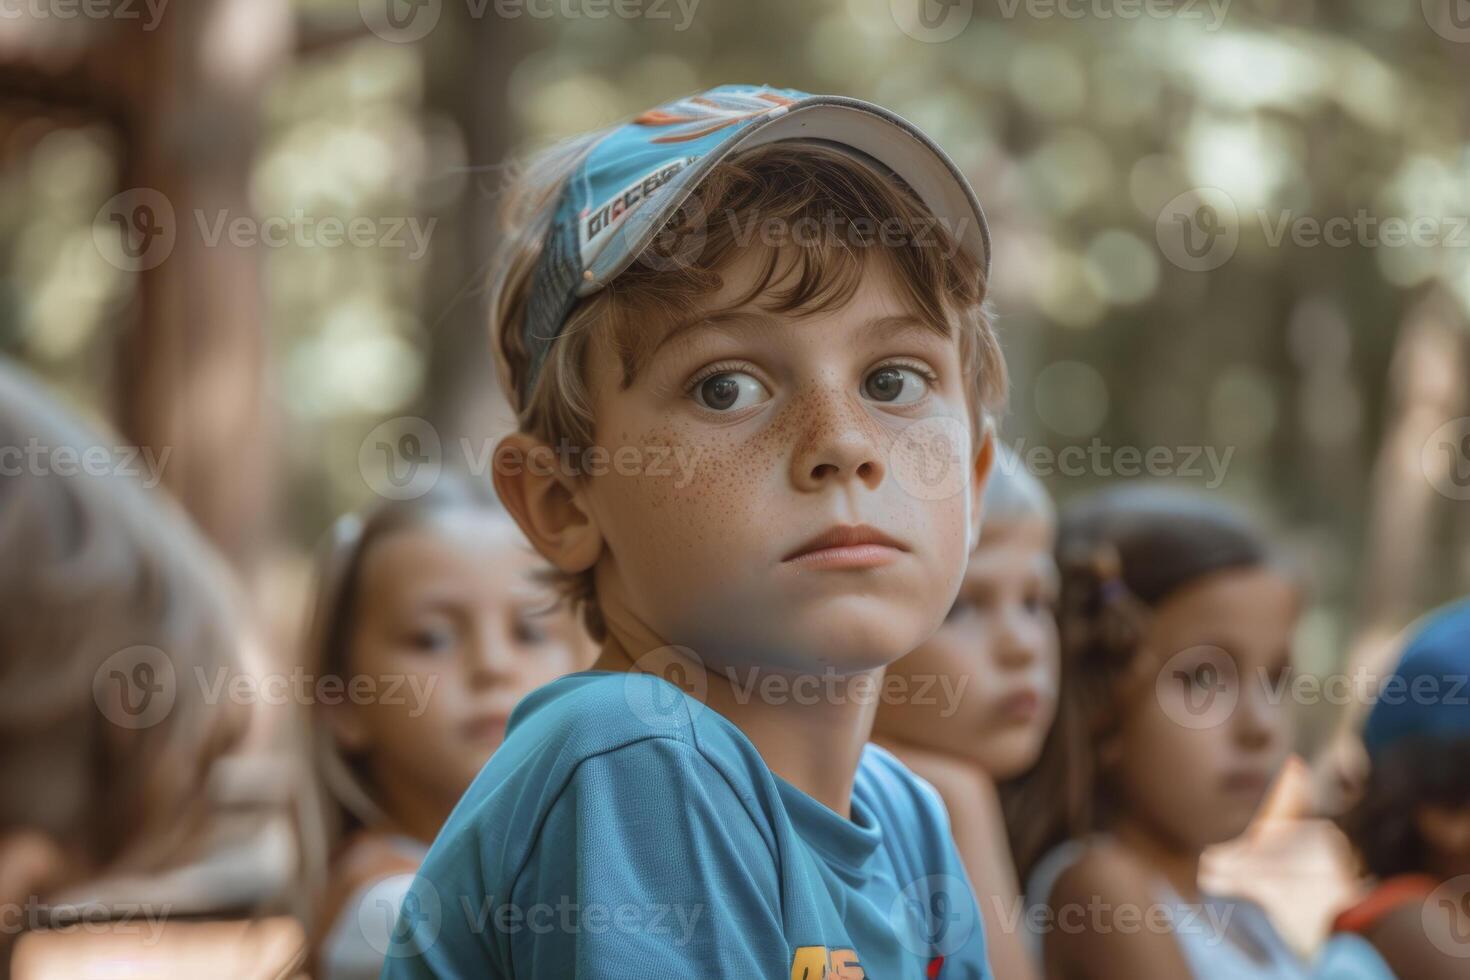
596	225
699	115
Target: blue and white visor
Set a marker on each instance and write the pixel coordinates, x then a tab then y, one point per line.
635	178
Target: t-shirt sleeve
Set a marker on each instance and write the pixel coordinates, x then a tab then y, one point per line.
649	864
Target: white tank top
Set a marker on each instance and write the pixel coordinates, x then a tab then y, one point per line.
1217	936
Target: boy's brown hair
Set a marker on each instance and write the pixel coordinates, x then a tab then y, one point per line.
784	185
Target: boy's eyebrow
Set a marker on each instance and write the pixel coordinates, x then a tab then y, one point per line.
874	329
713	321
903	323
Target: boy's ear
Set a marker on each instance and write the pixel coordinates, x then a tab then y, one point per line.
979	479
540	497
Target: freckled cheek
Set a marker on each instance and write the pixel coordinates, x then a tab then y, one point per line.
938	529
697	493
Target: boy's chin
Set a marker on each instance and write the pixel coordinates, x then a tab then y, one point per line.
856	635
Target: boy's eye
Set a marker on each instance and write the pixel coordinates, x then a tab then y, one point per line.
729	390
895	385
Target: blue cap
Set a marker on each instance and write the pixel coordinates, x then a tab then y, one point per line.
1428	693
638	176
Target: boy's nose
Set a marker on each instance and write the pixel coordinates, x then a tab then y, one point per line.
840	444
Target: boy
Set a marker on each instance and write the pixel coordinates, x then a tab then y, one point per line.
806	338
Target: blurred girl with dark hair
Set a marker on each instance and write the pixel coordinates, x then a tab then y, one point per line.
1175	620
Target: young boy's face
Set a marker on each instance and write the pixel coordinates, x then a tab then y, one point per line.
790	427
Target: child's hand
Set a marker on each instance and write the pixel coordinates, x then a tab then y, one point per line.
957	780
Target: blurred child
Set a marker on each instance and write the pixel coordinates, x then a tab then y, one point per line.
113	616
1175	624
1411	826
431	608
980	694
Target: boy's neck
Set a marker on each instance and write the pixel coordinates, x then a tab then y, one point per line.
813	742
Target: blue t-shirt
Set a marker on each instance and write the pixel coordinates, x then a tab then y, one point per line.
626	830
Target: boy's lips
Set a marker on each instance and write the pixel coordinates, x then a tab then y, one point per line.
847	546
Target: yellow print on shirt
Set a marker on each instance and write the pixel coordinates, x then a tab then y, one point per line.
816	963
